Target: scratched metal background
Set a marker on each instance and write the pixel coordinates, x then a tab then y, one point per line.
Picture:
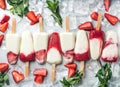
79	11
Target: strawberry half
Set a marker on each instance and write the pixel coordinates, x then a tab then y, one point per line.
40	71
5	19
40	56
12	57
86	26
38	16
112	19
1	39
3	67
71	72
94	16
39	79
71	65
18	77
3	4
31	16
3	27
107	4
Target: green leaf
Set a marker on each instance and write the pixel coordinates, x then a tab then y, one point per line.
6	79
104	75
53	6
20	7
69	82
1	84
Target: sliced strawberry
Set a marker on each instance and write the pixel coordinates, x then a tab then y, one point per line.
18	77
71	72
38	16
40	71
31	16
5	19
107	4
3	27
32	23
1	39
12	57
71	65
40	56
112	19
29	57
86	26
3	4
94	16
39	79
3	67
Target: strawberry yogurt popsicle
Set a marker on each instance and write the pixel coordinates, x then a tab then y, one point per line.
67	40
81	51
27	50
54	52
82	46
12	49
27	53
110	50
40	44
67	44
96	38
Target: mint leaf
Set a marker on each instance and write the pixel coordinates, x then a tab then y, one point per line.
53	6
19	7
104	75
69	82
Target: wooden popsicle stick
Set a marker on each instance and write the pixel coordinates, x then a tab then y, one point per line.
13	25
27	69
53	73
67	24
41	24
82	66
99	22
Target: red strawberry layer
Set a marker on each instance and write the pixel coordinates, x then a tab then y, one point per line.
12	57
112	58
96	34
29	57
82	57
68	54
41	56
54	42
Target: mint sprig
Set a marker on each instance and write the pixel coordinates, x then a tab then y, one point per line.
104	75
20	7
4	79
69	82
53	5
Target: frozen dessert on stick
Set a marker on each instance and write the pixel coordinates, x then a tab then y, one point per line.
81	50
96	38
54	52
82	46
110	50
27	53
40	44
67	40
13	44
